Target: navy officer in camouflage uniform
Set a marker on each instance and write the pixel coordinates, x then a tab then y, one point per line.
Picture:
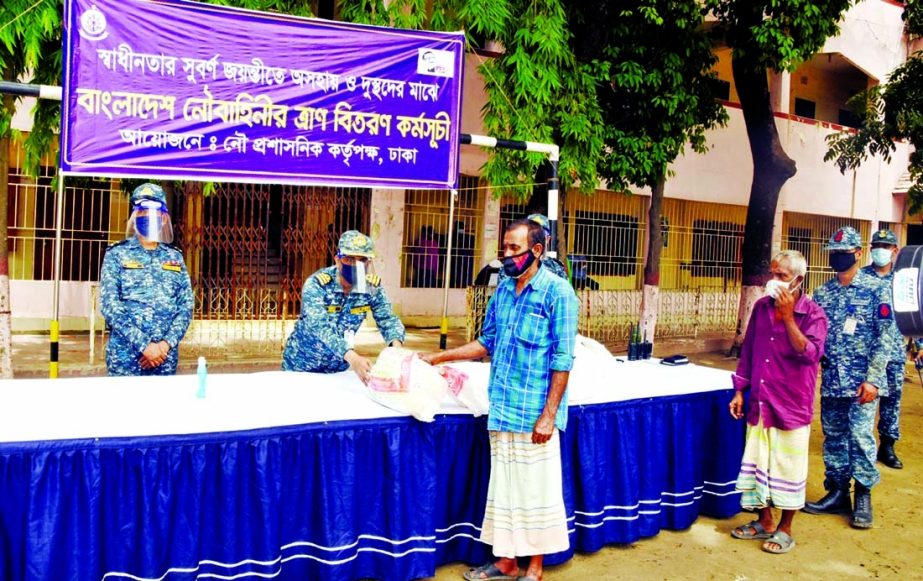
884	251
854	375
145	293
334	303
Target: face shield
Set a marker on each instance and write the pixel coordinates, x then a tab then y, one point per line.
354	269
149	220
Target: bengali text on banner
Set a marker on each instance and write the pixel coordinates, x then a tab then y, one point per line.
186	90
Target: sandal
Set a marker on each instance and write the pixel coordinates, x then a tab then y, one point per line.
784	540
751	530
487	572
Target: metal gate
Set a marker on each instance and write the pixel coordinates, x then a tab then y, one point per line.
249	249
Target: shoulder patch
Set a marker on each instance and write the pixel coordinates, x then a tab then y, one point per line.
373	279
116	244
323	278
884	311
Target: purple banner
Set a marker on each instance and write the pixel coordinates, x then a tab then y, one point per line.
186	90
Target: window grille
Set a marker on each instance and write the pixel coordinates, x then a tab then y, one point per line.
809	234
702	243
426	231
31	222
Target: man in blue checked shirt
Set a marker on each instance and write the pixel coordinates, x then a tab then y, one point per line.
529	332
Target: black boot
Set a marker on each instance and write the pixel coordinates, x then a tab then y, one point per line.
886	454
862	511
835	502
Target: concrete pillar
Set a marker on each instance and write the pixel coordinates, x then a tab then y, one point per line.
490	243
387	230
780	90
777	232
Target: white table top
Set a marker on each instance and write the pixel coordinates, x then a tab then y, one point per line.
105	407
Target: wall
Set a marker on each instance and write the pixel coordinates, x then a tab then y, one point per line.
723	175
829	90
871	38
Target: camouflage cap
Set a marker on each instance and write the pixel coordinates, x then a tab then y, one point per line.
355	243
149	192
884	236
541	220
846	238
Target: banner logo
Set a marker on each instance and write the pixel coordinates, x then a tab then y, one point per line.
439	63
93	24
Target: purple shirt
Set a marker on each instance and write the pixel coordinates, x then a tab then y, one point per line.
781	380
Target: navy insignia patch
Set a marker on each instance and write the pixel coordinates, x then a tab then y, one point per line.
884	311
172	265
373	279
360	310
333	308
323	278
132	264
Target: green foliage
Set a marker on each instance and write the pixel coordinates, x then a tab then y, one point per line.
657	90
538	89
913	17
30	43
888	112
776	34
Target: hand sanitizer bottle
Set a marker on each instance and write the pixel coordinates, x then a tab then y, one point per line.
202	372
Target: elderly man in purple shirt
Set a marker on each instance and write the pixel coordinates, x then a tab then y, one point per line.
778	365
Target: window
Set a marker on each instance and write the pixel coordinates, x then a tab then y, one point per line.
607	242
805	108
721	89
716	249
426	231
849	119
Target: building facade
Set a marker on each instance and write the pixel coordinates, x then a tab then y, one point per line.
250	247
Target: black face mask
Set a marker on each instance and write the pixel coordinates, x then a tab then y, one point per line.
514	266
842	261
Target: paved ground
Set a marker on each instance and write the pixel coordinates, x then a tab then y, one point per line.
827	547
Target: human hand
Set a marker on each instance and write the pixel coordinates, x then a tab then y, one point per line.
154	355
431	358
737	405
785	304
395	343
543	430
918	358
867	392
359	364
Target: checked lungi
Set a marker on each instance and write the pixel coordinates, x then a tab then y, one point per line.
525	512
774	469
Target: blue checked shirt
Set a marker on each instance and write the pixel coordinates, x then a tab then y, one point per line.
528	337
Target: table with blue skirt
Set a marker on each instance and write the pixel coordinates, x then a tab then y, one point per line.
302	476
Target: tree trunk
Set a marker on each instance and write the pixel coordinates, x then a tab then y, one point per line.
650	295
6	323
772	167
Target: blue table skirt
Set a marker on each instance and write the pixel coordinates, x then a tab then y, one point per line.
389	498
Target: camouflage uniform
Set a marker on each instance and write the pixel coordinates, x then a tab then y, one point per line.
890	403
145	297
851	359
330	317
